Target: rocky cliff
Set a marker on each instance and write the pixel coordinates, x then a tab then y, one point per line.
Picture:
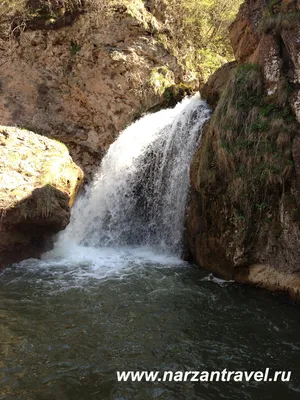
244	212
83	76
38	184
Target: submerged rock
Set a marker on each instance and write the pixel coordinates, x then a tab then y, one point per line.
38	184
244	211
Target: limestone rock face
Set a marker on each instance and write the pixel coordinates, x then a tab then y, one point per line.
243	218
85	82
267	33
38	184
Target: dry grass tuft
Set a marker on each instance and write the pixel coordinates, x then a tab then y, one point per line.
225	161
277	22
249	143
283	140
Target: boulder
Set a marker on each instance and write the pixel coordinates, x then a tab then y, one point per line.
38	185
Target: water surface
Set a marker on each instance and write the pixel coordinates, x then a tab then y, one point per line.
67	326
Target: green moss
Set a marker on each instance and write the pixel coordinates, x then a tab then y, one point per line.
160	79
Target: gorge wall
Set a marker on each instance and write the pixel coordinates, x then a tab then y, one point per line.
82	80
244	212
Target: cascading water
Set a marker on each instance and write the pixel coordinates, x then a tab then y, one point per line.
138	196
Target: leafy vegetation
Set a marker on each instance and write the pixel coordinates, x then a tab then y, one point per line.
200	29
160	79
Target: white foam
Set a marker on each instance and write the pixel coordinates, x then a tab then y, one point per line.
218	281
138	195
133	212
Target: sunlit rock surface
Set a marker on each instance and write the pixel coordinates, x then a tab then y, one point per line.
38	184
85	82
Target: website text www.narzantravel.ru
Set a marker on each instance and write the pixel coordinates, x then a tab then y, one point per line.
204	376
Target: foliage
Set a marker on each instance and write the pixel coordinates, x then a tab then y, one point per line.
160	79
200	28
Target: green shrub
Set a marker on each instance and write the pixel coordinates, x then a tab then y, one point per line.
200	31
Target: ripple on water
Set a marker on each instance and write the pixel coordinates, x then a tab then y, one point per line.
67	326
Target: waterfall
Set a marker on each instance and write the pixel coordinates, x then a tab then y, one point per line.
138	195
